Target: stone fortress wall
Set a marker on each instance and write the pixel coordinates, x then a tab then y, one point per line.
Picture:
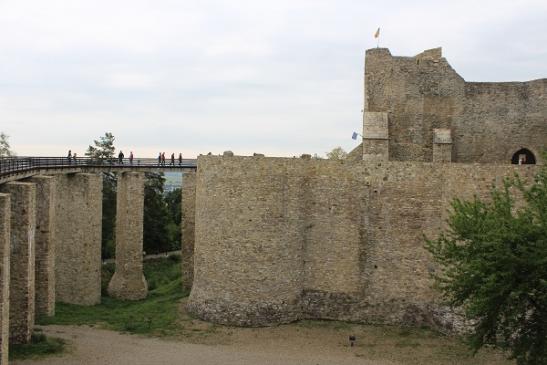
272	240
281	239
489	121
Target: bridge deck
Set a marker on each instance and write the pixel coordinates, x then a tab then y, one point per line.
15	168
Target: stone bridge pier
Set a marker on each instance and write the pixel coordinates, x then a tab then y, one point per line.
78	225
128	282
5	213
22	198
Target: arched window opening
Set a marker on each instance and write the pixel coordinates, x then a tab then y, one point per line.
523	157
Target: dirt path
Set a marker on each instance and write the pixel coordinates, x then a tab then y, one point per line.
92	346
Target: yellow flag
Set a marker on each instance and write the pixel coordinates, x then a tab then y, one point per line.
377	34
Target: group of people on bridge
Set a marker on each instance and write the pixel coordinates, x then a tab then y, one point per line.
161	159
72	158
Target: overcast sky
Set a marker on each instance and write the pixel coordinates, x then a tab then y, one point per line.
281	77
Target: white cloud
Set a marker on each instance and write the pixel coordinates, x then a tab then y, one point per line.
280	77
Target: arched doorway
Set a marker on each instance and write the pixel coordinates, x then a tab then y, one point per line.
523	157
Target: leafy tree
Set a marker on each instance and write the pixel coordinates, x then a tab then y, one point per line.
109	214
173	200
104	147
5	150
156	215
337	153
494	260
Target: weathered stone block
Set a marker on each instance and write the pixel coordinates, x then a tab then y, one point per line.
23	228
45	245
442	145
5	219
128	282
375	136
78	217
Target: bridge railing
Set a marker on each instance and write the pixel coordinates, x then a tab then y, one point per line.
15	165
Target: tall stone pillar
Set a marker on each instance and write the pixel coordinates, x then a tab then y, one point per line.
78	225
128	282
188	218
23	227
442	145
375	136
45	245
5	218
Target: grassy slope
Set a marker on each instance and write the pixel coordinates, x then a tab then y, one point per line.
39	346
155	315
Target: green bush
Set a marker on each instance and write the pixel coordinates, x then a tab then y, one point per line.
494	260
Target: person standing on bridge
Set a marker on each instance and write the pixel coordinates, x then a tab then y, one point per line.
74	156
180	159
172	159
159	159
120	157
163	158
131	157
69	157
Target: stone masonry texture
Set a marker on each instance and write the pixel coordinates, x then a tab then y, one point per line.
5	222
489	121
78	226
188	209
375	136
128	282
280	239
45	245
21	291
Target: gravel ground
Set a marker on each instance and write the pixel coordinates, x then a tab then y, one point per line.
92	346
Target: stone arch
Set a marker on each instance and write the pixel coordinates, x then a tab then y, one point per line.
524	154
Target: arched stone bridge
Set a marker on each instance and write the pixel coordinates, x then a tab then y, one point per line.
50	234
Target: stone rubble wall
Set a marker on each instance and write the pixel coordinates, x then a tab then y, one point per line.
5	223
78	217
188	210
489	121
128	282
45	245
22	256
280	239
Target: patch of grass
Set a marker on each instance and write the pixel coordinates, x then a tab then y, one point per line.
39	346
156	315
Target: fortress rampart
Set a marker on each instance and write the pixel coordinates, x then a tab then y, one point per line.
273	240
280	239
488	121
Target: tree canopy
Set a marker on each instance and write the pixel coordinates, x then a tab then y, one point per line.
103	148
161	216
337	153
5	149
494	267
